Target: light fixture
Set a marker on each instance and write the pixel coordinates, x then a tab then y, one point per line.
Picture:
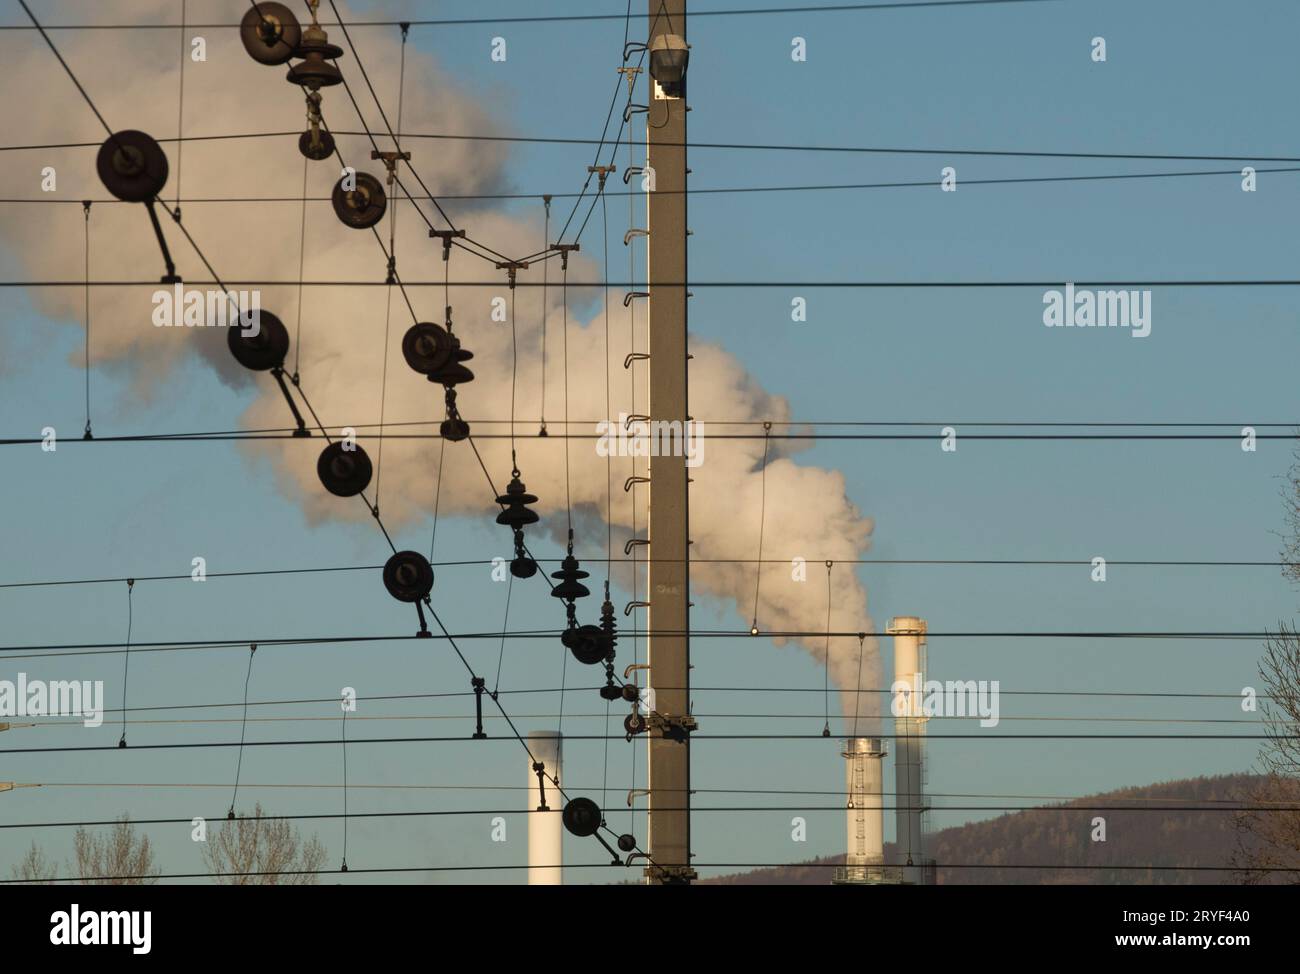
669	55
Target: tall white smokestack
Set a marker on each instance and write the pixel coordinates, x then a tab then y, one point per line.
909	728
863	778
545	827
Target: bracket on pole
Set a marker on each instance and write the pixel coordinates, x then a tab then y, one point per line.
673	728
671	875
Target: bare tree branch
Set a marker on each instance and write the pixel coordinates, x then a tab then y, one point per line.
255	844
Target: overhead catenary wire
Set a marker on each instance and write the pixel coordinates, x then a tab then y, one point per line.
175	214
570	18
356	54
306	401
605	866
504	629
478	562
1244	157
514	736
801	716
776	792
51	650
1024	423
726	809
690	191
534	691
1079	280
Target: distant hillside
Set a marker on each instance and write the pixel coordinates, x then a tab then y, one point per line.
1061	834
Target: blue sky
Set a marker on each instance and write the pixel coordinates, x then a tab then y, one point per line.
1197	78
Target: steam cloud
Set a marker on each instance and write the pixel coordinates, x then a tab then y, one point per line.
133	75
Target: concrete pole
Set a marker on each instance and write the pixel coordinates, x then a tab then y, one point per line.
668	617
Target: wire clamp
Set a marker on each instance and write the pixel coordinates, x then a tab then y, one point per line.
511	267
563	250
446	236
601	172
391	159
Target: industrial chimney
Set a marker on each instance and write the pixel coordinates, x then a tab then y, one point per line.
909	730
863	776
545	826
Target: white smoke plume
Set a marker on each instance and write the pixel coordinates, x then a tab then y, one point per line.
341	349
